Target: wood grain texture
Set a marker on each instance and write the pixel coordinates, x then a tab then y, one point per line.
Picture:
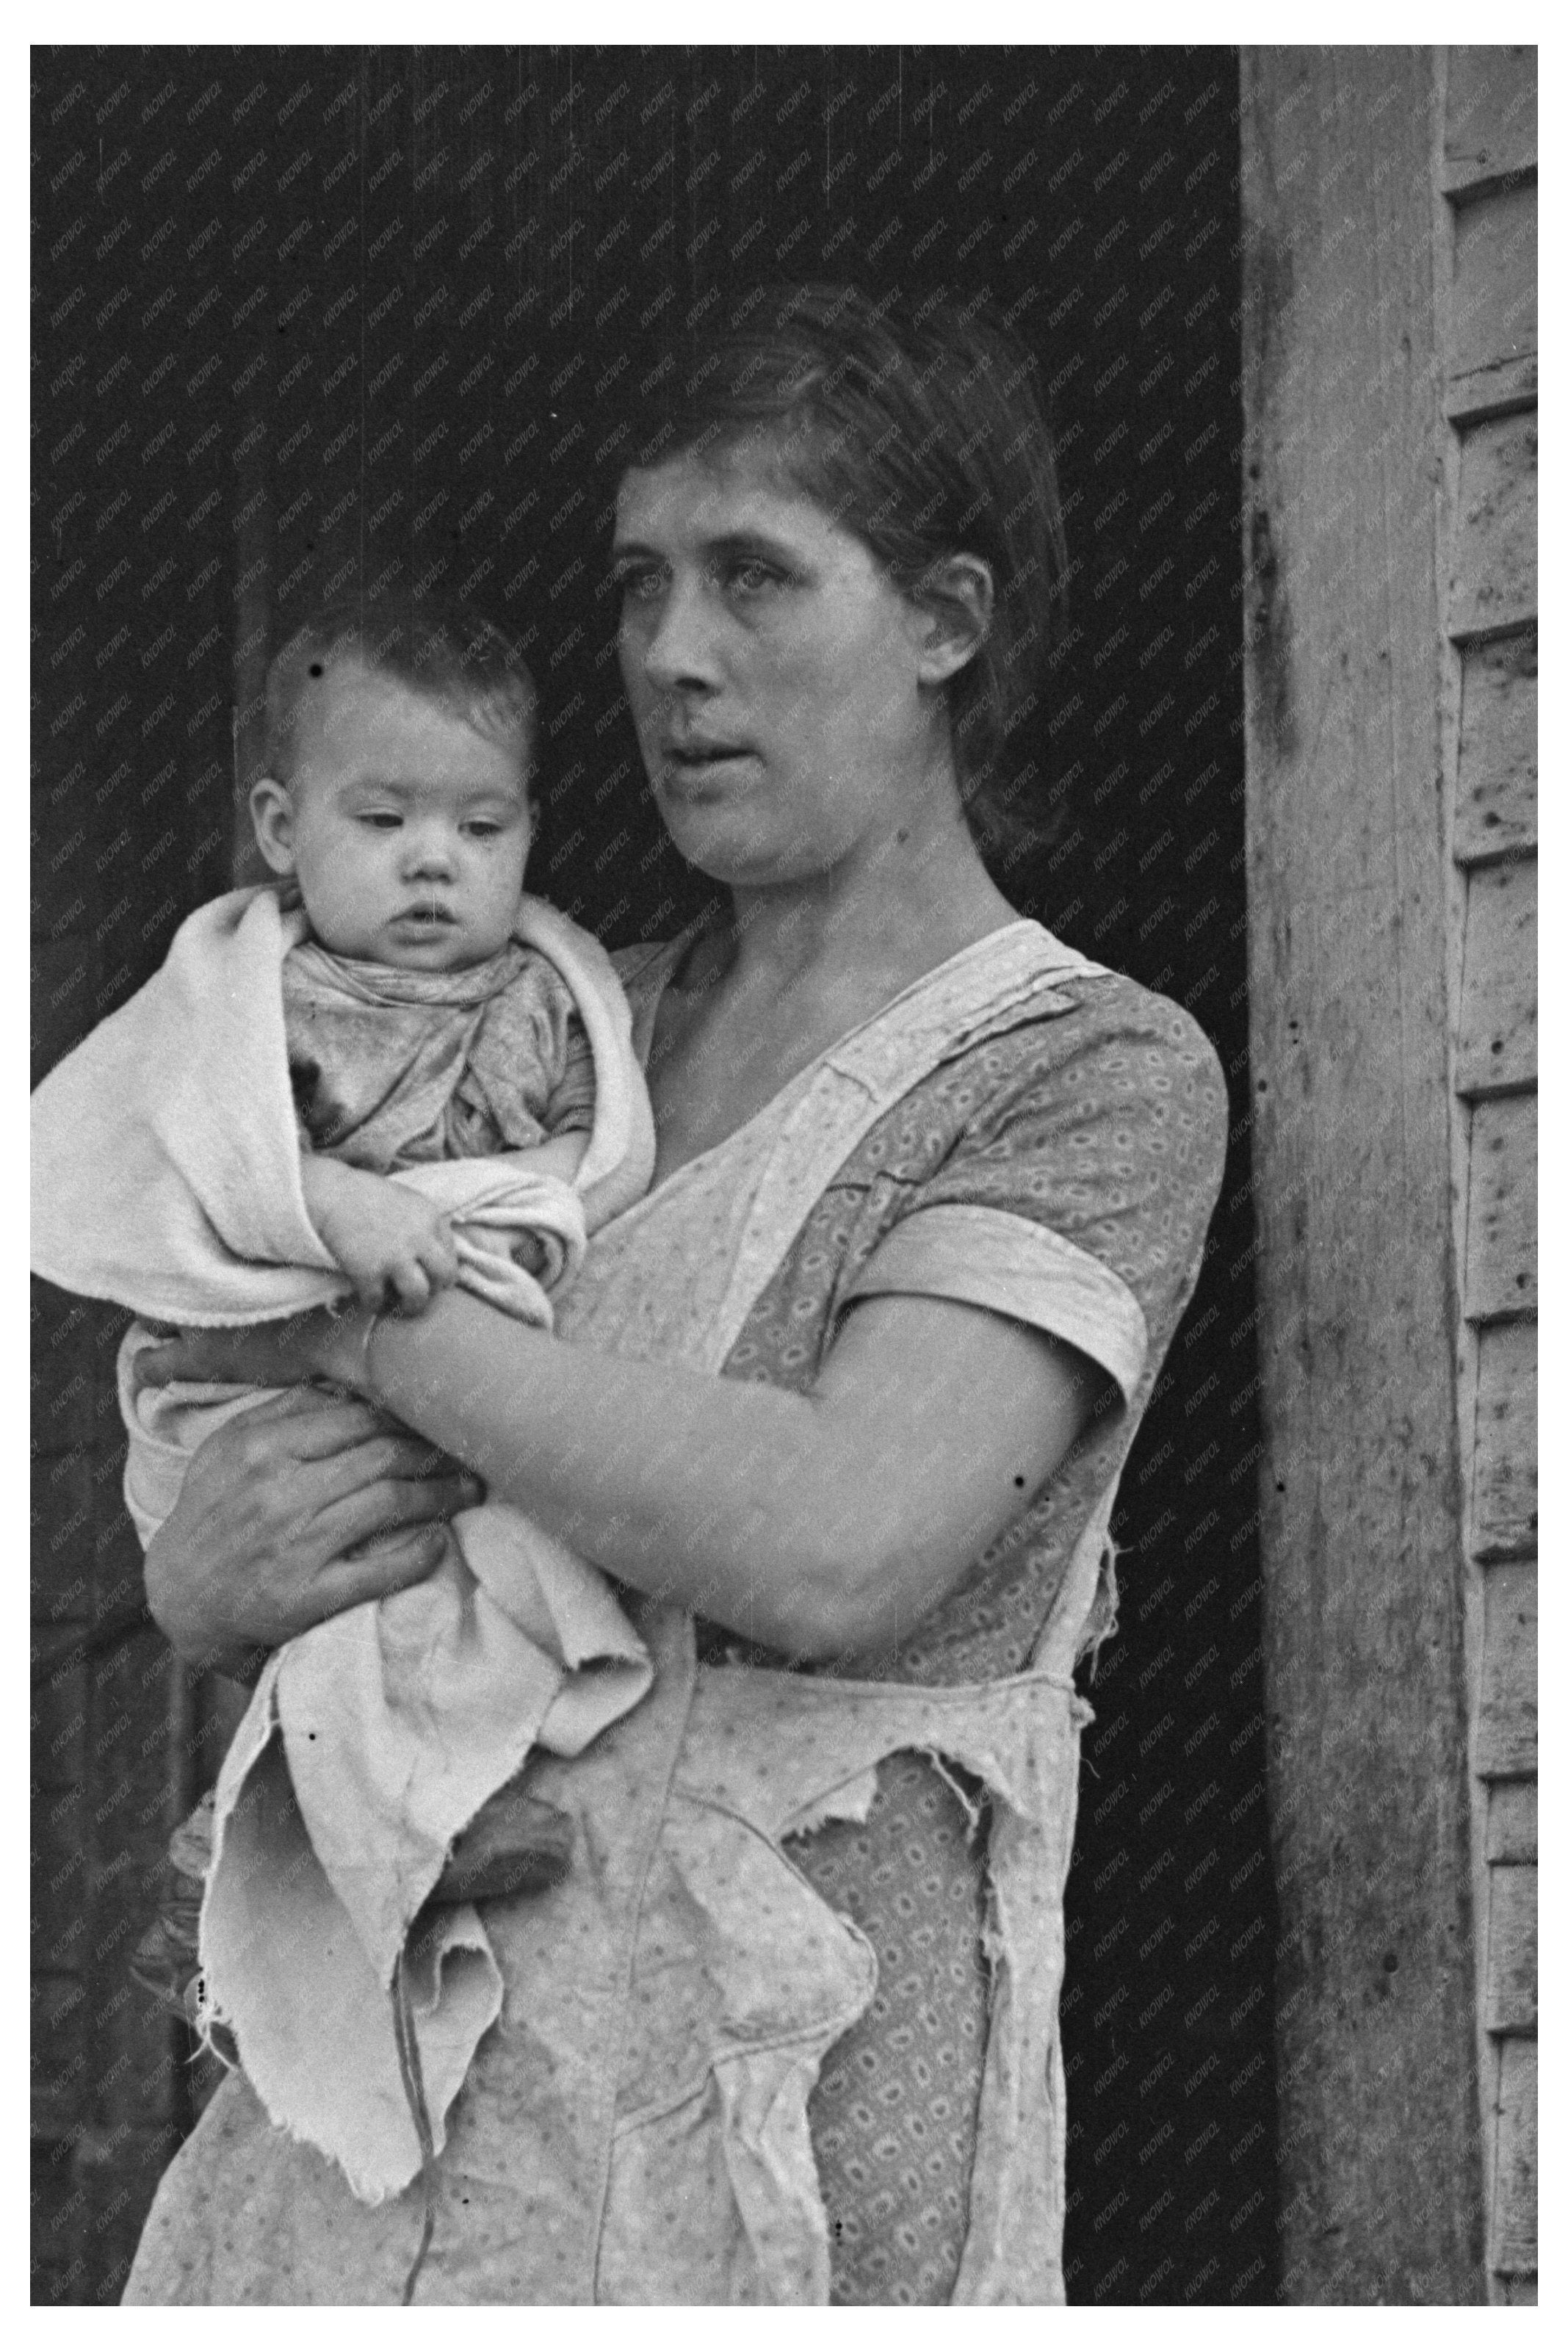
1500	1245
1496	1050
1490	118
1493	314
1503	1468
1381	2189
1494	802
1515	2226
1492	583
1506	1740
1511	2003
1511	1821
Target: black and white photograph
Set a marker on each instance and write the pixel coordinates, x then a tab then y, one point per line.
783	1199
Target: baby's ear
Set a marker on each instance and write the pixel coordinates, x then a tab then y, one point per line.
272	814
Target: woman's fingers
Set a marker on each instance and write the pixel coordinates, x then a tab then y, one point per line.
303	1423
392	1561
385	1505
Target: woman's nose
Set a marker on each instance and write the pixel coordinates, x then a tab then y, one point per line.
678	647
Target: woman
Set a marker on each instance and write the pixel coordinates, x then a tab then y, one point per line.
845	1400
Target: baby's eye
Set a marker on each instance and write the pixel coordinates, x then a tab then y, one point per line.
483	828
383	820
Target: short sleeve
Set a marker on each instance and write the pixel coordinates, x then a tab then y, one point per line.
1077	1194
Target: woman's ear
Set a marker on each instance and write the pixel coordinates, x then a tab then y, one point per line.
272	814
953	602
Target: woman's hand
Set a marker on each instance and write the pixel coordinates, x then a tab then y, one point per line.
290	1513
321	1345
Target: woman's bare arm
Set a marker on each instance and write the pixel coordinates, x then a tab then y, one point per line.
817	1524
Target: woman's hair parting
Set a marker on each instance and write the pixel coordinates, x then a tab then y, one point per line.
441	647
917	428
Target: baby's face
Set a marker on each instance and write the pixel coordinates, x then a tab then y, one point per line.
408	830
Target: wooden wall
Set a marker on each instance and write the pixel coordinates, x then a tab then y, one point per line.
1390	375
1486	282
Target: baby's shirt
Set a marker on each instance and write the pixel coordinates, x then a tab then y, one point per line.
390	1068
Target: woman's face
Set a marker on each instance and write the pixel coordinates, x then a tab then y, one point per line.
772	671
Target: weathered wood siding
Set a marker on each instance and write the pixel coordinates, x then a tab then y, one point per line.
1486	255
1349	874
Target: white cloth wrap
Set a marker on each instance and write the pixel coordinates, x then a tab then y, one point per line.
166	1177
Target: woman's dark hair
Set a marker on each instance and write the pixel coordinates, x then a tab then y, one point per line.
919	430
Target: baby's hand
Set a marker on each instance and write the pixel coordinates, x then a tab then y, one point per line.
396	1248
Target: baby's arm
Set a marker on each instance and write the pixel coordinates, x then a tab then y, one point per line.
382	1236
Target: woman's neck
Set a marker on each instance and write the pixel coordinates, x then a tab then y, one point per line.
883	918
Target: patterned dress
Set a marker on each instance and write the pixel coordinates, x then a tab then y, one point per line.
788	2033
1100	1128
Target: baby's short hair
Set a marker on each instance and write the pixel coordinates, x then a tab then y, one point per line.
441	647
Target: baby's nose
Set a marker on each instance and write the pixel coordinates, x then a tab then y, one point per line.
427	850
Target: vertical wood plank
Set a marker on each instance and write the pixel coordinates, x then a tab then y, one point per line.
1363	1548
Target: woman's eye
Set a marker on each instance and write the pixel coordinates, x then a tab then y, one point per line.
639	586
752	579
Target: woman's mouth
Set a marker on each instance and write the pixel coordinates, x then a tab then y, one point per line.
691	765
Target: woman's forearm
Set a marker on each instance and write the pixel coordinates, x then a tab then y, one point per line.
688	1488
814	1523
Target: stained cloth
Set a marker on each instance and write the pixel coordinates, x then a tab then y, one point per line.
701	2109
166	1176
393	1068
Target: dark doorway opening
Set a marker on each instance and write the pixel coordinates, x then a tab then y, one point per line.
306	315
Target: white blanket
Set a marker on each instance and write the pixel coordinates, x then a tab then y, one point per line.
166	1177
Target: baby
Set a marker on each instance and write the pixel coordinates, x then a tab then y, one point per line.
395	804
392	1070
